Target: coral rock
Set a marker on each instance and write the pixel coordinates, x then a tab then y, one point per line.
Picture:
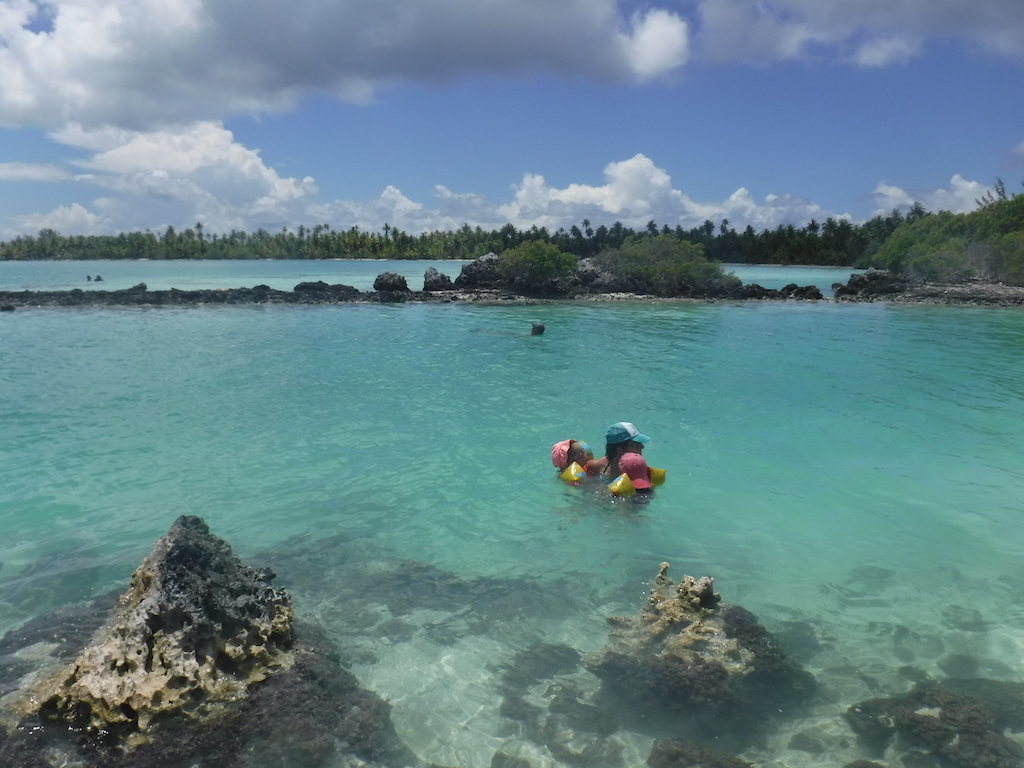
195	629
688	653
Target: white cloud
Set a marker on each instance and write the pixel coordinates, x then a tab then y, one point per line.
140	64
882	52
199	172
73	219
960	196
32	172
659	43
867	32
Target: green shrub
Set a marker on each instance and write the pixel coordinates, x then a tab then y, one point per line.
664	266
535	266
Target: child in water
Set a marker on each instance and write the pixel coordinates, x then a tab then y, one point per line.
567	451
624	445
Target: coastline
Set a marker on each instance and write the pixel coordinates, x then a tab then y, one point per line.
889	290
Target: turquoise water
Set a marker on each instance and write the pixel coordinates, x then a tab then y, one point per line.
853	468
282	275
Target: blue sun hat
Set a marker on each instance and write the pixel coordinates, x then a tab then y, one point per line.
621	431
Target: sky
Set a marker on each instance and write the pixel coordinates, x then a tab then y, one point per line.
125	115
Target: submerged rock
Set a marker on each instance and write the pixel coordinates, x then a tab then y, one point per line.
688	661
960	722
197	664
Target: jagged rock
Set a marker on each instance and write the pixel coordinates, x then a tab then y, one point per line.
139	288
960	721
436	281
198	664
802	292
194	630
689	654
390	281
321	291
481	273
870	284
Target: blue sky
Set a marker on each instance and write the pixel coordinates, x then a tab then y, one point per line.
122	115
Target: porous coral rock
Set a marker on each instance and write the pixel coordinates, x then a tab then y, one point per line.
688	653
194	630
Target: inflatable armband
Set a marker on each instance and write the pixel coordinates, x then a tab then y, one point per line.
622	486
657	476
572	474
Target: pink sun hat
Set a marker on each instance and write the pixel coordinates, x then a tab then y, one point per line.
560	454
635	467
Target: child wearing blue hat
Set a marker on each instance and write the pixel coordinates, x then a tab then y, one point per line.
624	445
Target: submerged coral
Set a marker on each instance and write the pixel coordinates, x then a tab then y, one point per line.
687	657
961	722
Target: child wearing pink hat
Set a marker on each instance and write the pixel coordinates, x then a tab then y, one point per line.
566	452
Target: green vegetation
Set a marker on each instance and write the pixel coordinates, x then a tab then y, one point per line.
988	242
664	266
535	266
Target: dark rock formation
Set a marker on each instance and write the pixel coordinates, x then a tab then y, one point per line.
319	290
390	281
803	293
688	659
870	285
198	664
481	273
960	722
436	281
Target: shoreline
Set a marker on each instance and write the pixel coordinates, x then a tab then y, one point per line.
892	292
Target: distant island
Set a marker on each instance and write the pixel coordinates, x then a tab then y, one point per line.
976	257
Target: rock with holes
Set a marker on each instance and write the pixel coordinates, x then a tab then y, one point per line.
696	664
199	663
194	631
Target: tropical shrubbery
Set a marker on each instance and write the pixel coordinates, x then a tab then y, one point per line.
535	267
664	266
947	247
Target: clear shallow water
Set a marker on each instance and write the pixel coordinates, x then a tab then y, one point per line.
855	469
282	274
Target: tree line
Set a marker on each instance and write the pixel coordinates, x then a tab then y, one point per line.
834	242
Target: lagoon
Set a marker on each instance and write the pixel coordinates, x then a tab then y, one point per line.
849	473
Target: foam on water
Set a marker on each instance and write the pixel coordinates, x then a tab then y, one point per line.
848	473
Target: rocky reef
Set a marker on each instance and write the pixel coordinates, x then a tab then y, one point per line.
199	663
693	666
955	723
479	282
882	285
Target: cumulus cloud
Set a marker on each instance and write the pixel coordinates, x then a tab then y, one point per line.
658	43
198	173
140	64
960	196
202	174
72	219
866	32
